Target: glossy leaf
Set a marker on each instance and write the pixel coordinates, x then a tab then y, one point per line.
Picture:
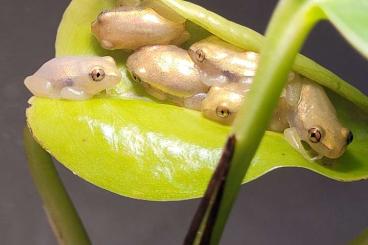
350	18
154	151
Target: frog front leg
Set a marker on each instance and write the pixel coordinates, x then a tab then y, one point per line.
74	93
293	138
195	102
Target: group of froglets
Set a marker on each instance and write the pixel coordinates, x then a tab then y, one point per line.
212	76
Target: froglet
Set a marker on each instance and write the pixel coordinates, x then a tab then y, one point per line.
314	129
221	62
132	27
168	73
74	78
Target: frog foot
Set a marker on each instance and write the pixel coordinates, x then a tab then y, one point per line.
195	102
71	93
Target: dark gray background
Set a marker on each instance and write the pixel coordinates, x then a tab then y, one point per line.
287	206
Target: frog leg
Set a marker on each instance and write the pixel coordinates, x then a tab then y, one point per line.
292	93
158	94
293	138
181	39
195	102
41	87
213	78
73	93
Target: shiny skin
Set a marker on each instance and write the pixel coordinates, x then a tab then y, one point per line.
73	77
166	69
130	28
221	62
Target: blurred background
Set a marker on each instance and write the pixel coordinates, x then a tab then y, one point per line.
287	206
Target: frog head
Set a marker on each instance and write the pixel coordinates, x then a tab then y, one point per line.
97	74
223	103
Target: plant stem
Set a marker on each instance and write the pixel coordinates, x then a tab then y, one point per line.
362	239
290	24
60	210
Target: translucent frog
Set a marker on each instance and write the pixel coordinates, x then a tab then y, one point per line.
168	73
221	62
314	129
304	112
135	25
74	78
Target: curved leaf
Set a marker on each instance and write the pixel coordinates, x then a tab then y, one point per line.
350	18
154	151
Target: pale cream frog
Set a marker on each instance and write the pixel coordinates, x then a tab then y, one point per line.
168	73
74	78
132	27
221	62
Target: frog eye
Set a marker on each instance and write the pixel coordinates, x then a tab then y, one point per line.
97	74
200	55
350	138
135	77
315	135
222	111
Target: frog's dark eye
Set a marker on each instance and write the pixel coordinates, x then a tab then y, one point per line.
97	74
350	138
222	111
135	77
201	56
315	134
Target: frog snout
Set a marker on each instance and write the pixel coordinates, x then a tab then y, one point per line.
348	135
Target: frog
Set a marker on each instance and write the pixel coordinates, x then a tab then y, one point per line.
74	77
221	63
314	128
130	27
167	73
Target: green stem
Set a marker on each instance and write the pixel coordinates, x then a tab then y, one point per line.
288	29
60	211
362	239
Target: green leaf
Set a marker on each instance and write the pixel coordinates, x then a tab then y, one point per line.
147	150
350	18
